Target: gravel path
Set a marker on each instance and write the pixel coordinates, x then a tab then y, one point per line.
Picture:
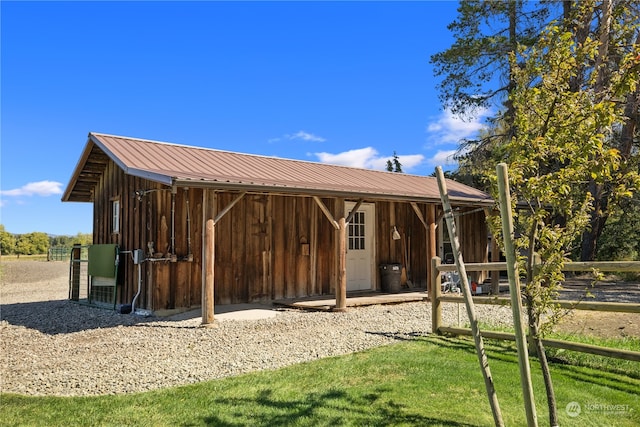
50	346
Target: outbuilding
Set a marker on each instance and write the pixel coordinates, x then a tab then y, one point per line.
283	228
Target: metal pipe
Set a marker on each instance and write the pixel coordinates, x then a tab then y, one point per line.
173	224
189	254
133	303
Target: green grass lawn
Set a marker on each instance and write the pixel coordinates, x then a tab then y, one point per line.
426	381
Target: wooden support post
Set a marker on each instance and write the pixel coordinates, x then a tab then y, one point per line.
207	292
341	286
434	294
514	291
466	290
431	240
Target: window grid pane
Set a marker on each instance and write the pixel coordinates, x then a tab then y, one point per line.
356	232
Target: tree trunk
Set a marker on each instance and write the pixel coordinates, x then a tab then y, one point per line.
632	119
546	375
513	43
596	224
536	345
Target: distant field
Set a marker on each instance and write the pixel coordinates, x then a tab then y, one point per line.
39	257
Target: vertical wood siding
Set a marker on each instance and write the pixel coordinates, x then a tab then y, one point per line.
267	246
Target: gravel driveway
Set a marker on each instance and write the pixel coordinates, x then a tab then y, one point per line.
51	346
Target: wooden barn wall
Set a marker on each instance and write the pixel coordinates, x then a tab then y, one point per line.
267	246
271	247
474	237
174	284
179	284
412	246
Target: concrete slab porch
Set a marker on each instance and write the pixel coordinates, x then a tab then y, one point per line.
356	299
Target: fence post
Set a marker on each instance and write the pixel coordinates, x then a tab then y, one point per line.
514	293
434	294
466	290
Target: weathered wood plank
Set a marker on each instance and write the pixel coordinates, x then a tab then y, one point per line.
567	345
302	212
291	246
196	246
617	266
616	307
278	259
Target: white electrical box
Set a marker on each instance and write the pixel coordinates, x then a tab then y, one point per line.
138	256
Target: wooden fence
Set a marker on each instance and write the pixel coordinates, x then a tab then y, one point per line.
437	298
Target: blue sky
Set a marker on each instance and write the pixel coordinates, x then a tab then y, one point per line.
337	82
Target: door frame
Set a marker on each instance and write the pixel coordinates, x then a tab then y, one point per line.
370	238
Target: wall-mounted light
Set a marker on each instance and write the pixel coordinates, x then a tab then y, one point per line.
139	194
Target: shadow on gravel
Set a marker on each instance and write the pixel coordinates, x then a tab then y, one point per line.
399	336
64	317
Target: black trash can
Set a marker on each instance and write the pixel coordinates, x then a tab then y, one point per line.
390	277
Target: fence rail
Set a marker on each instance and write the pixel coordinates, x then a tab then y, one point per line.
435	294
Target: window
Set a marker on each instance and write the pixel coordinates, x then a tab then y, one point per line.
115	216
356	232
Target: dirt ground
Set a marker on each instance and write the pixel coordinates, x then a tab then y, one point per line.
599	323
52	279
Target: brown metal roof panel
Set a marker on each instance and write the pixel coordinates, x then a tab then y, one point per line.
163	162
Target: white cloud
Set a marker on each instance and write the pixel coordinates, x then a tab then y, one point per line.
306	136
359	158
443	157
409	161
450	129
300	135
40	188
368	158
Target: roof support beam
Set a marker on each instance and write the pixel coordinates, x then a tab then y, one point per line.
227	208
354	210
418	212
326	212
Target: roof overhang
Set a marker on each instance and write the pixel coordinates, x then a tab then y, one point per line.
298	191
90	167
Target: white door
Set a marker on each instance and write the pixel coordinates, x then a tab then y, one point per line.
360	247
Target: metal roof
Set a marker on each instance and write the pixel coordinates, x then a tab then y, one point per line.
188	166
